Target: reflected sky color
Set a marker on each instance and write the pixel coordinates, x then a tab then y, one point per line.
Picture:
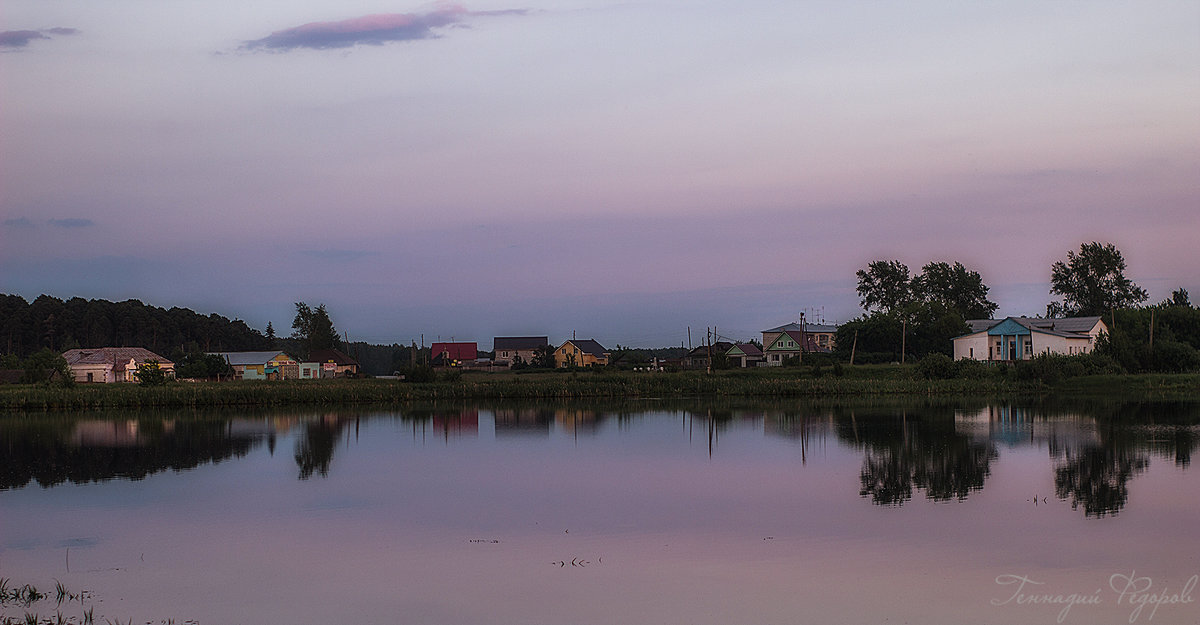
587	516
619	169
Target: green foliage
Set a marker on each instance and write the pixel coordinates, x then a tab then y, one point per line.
1092	282
200	366
150	374
937	366
420	373
47	366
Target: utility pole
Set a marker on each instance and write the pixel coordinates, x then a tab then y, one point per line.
853	346
903	338
802	341
709	368
1151	329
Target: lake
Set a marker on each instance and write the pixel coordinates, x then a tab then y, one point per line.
649	512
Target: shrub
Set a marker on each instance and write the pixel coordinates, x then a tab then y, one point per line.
150	374
936	367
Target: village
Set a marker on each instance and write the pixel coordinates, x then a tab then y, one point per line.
989	340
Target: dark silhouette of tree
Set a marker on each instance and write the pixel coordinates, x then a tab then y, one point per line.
314	452
884	286
1092	282
314	328
956	288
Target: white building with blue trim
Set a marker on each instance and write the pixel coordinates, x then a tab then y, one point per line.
1022	338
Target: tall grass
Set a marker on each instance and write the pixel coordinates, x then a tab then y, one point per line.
583	384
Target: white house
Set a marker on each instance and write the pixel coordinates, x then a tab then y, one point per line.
112	364
1021	338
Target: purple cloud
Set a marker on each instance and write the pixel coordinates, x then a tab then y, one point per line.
370	29
18	222
71	223
21	38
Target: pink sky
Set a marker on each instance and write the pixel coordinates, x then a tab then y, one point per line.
621	171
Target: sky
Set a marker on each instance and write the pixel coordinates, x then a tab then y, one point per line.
612	170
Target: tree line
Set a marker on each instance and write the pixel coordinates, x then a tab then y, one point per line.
907	316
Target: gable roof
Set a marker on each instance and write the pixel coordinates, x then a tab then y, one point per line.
111	355
517	343
454	351
808	327
745	349
588	346
807	340
335	356
1066	327
242	359
720	347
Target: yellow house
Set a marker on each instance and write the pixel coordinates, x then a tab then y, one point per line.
580	353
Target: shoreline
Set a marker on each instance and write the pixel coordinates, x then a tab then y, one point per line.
878	382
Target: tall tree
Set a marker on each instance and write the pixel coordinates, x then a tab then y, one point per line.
954	287
314	327
884	286
1092	282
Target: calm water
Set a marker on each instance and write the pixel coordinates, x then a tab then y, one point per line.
643	513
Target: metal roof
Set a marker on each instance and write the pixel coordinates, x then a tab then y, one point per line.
515	343
111	355
242	359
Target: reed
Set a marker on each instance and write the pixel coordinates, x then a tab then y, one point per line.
884	381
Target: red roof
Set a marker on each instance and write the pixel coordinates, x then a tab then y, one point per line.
454	351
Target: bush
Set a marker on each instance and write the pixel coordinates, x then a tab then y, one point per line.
150	374
420	373
970	369
936	367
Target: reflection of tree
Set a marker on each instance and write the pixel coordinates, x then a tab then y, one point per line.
903	452
54	452
1097	478
314	452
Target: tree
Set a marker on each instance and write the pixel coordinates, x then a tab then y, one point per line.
884	286
313	327
956	288
42	366
1179	297
150	374
270	332
1092	282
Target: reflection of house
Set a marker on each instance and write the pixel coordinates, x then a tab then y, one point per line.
507	348
270	365
1021	338
699	357
823	336
744	355
453	354
580	353
112	364
331	363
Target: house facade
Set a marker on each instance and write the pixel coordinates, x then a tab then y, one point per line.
453	354
744	355
824	336
580	353
329	363
508	348
1022	338
269	365
113	364
789	344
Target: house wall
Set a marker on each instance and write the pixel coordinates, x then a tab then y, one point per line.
100	373
563	355
973	346
1043	343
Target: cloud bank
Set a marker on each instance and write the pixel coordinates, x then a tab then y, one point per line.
21	38
370	29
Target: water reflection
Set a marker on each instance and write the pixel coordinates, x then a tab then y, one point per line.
52	452
922	450
941	452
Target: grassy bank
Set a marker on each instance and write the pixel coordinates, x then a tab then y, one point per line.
863	381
